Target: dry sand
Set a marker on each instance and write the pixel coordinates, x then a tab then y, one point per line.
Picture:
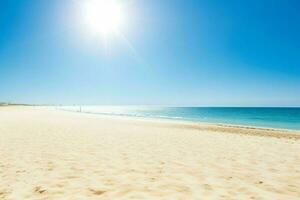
52	154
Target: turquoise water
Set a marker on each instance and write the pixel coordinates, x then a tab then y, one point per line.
283	118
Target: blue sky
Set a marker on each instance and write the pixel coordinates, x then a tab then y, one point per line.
175	52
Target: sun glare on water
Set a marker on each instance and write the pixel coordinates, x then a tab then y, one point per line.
103	17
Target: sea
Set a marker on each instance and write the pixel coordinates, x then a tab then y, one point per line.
265	117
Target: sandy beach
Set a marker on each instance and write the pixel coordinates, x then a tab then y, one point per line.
47	153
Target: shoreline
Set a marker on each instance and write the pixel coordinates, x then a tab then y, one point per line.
210	126
175	119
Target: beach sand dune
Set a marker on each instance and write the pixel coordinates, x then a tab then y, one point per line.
53	154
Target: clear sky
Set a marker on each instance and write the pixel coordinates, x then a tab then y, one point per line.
171	52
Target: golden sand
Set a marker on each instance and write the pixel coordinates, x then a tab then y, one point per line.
52	154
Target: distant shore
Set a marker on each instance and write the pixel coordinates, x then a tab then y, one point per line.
14	104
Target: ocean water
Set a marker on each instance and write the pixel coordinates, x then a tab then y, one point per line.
282	118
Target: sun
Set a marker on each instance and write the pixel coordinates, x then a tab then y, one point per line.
103	17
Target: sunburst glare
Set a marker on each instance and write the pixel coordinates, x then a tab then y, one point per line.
103	17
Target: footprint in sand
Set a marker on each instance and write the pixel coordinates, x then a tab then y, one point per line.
39	189
3	194
96	191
